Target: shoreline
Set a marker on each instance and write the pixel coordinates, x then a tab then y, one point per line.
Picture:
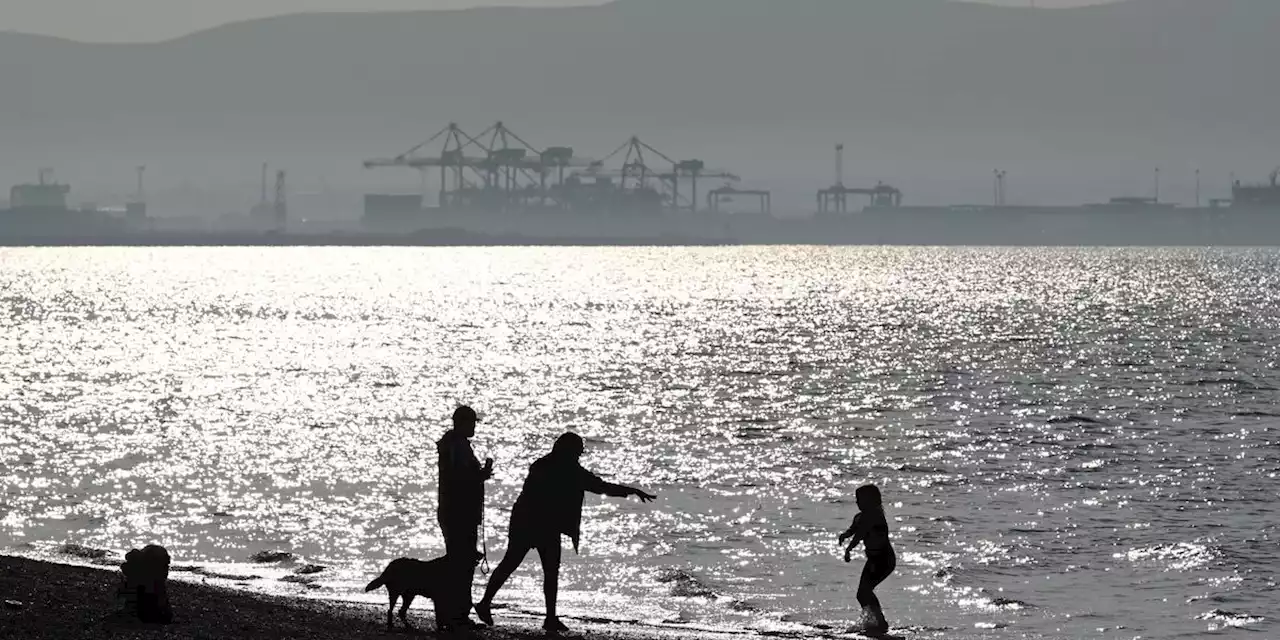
56	601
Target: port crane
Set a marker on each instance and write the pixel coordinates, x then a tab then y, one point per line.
494	167
497	169
452	159
728	193
835	199
636	172
693	170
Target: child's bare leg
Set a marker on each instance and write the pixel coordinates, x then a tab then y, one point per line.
875	572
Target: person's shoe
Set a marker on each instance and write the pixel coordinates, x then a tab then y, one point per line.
553	625
485	612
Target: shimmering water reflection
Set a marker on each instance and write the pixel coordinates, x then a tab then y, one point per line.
1072	443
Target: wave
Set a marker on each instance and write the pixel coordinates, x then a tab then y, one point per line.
999	603
1078	419
1229	382
914	468
1180	556
1010	603
209	573
755	433
1230	618
305	581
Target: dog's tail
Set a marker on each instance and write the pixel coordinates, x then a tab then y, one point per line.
377	582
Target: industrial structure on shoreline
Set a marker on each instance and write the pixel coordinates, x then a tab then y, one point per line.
496	184
498	171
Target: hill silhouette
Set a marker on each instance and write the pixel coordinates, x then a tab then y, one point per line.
908	77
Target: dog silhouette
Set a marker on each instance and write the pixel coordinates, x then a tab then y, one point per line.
436	579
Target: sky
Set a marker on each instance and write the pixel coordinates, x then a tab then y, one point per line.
144	20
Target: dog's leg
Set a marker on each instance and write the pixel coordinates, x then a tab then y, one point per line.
404	610
391	609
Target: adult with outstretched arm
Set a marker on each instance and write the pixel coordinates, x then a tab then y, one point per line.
550	505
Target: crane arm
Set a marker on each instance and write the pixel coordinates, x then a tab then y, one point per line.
426	142
655	151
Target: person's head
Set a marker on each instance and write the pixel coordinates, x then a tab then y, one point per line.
464	421
868	496
568	445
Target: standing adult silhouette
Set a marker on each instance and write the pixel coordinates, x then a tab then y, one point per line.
461	503
550	505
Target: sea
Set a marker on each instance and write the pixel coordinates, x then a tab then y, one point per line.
1071	443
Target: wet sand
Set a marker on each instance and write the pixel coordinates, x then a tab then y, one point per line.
42	600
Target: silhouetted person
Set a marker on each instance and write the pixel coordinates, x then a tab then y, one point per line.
144	585
550	505
871	529
461	503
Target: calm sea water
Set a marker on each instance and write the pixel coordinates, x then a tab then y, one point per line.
1071	443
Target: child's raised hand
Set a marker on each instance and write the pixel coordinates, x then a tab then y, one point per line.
844	536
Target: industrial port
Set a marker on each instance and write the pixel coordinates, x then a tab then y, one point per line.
496	171
494	187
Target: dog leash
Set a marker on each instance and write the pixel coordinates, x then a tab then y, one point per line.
484	541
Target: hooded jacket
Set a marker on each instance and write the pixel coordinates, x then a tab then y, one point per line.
461	488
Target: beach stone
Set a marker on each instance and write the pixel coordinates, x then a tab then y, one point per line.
144	584
266	557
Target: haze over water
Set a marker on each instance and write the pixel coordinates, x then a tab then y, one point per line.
1071	443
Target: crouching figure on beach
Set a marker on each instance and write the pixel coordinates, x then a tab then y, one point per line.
550	504
871	529
144	584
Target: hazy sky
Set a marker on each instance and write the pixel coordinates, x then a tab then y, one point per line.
131	20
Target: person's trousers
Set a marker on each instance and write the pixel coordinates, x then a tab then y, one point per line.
460	540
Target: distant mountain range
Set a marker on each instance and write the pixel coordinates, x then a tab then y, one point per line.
1135	69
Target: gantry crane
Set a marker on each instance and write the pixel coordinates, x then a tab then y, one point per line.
503	169
835	199
636	172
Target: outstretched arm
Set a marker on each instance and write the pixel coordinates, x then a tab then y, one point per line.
622	491
594	484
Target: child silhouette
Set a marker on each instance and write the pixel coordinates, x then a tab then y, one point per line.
871	529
